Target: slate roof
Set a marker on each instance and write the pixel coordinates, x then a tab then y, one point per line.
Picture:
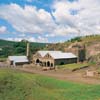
18	58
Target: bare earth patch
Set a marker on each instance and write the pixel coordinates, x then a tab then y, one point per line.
62	75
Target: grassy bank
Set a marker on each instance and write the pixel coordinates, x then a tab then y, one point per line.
16	85
2	59
73	66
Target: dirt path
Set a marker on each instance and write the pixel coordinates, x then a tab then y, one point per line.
72	76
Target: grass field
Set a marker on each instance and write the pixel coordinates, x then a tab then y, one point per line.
16	85
3	59
73	66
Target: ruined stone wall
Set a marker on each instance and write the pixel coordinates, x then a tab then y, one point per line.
79	51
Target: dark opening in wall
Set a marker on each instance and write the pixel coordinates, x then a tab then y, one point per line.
48	64
37	61
62	63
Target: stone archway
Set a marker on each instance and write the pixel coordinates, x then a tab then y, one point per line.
44	63
48	64
51	64
37	61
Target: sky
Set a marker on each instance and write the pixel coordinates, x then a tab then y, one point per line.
48	20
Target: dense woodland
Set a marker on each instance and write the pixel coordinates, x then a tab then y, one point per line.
18	48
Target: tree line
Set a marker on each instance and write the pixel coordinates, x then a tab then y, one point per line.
19	48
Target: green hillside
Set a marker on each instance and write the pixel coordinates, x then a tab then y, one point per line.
18	48
16	85
6	43
86	38
11	43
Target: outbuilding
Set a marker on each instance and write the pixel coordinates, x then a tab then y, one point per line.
17	60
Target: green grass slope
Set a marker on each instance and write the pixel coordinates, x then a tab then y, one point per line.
11	43
18	48
6	43
16	85
73	66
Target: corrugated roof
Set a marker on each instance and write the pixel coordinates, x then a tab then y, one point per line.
43	53
18	58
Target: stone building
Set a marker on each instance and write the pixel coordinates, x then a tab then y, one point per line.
52	58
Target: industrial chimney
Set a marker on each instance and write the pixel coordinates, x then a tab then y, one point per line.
27	51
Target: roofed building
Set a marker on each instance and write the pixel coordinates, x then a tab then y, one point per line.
52	58
17	60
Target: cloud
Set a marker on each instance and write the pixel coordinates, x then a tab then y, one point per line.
64	30
14	39
38	39
31	39
81	15
3	29
61	12
28	19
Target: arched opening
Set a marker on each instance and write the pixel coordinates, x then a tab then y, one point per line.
51	64
44	63
37	61
62	63
48	64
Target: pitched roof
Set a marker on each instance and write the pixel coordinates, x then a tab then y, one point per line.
63	55
57	54
43	53
18	58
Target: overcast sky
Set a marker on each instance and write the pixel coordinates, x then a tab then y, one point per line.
48	20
